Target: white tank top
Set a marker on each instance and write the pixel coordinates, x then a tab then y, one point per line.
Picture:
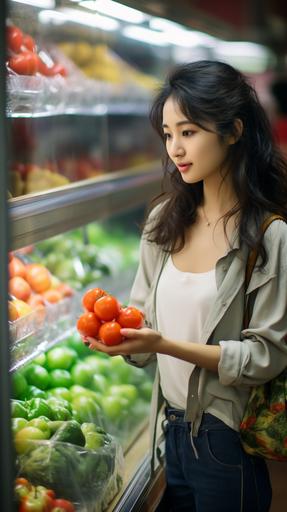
183	301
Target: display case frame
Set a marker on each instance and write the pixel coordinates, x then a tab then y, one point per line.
6	452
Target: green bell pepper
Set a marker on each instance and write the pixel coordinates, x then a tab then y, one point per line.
61	408
61	413
55	402
38	407
17	424
18	409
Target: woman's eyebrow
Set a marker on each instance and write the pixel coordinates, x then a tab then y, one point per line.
180	123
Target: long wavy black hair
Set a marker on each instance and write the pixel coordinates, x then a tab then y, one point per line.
214	92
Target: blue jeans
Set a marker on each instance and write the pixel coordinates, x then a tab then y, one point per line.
222	479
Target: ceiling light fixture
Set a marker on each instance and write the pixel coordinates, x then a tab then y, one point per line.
116	10
43	4
145	35
64	15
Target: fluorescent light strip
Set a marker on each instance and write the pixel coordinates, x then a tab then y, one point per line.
145	35
76	16
190	38
116	10
179	35
241	49
164	25
43	4
247	56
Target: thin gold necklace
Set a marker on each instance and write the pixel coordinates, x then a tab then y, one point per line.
207	221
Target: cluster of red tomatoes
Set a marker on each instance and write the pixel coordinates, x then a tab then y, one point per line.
39	499
23	57
104	317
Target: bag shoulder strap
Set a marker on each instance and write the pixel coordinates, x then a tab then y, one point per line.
252	257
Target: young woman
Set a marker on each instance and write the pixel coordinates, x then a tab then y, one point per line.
224	177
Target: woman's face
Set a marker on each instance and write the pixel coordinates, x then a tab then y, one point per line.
198	154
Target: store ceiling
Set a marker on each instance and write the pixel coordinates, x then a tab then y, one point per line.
262	21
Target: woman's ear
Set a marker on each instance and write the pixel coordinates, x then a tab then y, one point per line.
237	131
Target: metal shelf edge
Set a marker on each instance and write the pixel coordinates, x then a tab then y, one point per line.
34	218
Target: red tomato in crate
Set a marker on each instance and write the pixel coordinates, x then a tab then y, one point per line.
35	300
91	296
88	324
107	308
25	63
29	43
55	69
65	290
44	69
52	296
59	69
131	318
17	268
19	288
14	38
38	277
110	333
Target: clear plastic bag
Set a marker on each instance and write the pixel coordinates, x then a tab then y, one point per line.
89	478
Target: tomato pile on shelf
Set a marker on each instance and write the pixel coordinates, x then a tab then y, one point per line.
31	285
23	57
104	317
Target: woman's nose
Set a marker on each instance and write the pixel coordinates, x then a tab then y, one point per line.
176	149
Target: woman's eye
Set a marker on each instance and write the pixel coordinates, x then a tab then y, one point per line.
188	133
166	136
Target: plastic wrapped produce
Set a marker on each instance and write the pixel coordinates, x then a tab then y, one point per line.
88	475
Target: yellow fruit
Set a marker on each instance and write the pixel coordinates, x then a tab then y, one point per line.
22	307
12	312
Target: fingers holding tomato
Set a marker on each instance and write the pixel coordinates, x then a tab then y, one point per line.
110	333
134	341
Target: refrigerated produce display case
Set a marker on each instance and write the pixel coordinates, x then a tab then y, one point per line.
83	163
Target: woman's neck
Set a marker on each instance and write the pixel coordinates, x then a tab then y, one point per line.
218	198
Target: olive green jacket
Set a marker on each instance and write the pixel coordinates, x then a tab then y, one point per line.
249	356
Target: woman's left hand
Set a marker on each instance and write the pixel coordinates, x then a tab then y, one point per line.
136	341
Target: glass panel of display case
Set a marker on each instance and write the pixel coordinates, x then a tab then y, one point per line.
75	412
49	152
48	279
74	111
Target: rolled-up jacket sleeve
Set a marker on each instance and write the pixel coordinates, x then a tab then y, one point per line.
261	355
